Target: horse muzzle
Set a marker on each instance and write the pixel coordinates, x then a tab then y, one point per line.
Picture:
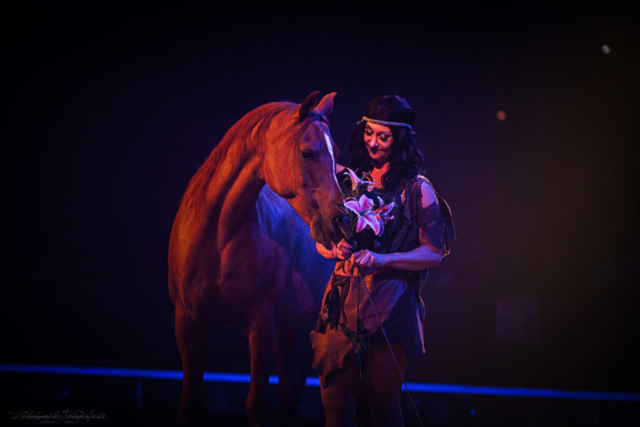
336	229
340	226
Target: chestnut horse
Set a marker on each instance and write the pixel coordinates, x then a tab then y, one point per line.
240	256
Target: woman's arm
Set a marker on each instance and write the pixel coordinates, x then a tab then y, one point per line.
424	256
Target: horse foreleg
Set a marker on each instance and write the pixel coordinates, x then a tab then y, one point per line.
292	379
190	336
260	336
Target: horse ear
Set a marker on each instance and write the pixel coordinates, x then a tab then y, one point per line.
307	105
326	104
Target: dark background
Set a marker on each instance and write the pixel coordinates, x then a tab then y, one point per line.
110	109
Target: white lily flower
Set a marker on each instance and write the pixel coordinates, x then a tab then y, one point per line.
356	182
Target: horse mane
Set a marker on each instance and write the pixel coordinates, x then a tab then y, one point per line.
242	132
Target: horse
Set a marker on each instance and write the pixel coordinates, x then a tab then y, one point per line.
242	250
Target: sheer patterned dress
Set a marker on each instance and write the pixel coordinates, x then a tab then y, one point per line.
347	323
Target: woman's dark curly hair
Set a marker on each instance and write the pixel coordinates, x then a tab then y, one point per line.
405	159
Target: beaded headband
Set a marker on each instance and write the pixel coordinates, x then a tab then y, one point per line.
383	123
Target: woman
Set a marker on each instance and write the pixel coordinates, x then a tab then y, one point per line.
351	353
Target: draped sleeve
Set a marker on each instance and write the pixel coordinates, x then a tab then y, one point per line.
424	213
429	219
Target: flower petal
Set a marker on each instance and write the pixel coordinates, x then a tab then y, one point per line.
353	205
366	204
361	224
369	184
355	181
385	211
373	221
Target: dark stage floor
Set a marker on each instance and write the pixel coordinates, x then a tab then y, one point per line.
141	402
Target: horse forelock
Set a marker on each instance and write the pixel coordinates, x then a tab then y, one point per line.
317	115
314	116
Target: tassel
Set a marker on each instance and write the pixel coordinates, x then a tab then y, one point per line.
332	304
449	226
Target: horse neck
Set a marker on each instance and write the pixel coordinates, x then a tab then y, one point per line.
234	188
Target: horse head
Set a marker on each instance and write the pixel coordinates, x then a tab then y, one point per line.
299	165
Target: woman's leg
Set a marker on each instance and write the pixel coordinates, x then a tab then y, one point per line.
339	395
384	384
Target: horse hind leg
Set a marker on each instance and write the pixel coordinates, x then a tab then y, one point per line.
291	376
260	336
191	336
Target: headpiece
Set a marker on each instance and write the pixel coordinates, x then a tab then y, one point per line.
383	123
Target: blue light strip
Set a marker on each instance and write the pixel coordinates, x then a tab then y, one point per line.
223	377
521	392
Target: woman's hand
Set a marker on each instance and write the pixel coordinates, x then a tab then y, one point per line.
344	250
368	261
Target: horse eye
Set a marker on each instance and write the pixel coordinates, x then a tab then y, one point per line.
308	155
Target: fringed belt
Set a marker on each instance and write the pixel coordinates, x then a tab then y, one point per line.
334	301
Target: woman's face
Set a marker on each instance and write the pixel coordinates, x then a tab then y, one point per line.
379	141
